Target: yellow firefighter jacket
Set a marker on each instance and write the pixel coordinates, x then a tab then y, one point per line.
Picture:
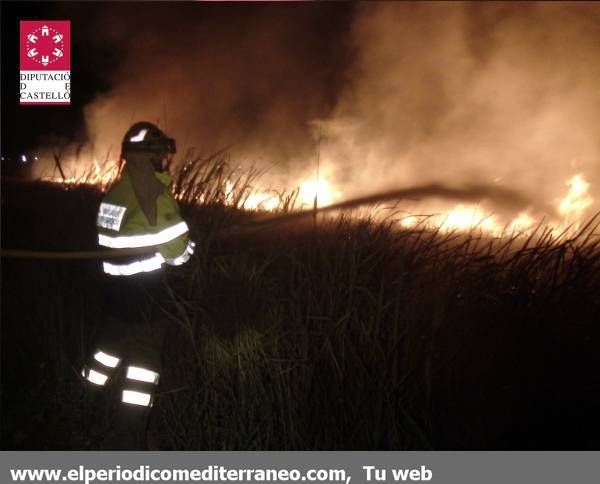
122	224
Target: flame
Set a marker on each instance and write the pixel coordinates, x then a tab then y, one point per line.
463	218
321	189
261	201
521	223
577	200
93	175
458	218
466	218
269	201
229	195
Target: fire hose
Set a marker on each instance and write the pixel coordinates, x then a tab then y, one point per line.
76	255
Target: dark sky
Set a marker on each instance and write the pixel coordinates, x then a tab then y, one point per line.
24	126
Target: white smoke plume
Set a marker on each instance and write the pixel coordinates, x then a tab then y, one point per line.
479	93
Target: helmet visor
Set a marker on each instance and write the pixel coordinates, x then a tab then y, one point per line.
157	145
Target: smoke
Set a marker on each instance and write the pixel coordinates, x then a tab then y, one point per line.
470	93
249	76
391	94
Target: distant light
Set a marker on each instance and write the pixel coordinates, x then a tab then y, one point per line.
35	158
3	158
23	158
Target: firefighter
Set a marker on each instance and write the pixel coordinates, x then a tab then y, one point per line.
137	211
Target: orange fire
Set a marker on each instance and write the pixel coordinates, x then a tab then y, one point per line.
319	189
572	206
94	175
577	200
261	201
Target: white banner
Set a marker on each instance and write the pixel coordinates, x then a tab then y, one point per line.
41	87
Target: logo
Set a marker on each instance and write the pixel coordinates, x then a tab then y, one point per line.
45	62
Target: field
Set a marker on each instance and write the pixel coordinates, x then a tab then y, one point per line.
350	333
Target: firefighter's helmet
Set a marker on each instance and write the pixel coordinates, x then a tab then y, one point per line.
144	137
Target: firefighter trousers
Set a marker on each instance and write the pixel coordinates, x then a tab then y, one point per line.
131	341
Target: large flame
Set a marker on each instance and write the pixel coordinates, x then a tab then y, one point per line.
319	190
465	218
462	217
573	206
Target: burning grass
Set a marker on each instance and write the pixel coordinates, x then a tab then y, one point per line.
214	180
348	333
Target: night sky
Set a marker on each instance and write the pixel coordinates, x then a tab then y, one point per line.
23	127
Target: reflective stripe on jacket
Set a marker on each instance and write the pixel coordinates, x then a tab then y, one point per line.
122	224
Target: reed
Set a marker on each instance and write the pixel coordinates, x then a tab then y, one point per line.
354	334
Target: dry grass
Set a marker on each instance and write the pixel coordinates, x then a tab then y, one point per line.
353	334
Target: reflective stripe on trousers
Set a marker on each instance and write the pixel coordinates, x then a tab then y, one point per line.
140	384
101	368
